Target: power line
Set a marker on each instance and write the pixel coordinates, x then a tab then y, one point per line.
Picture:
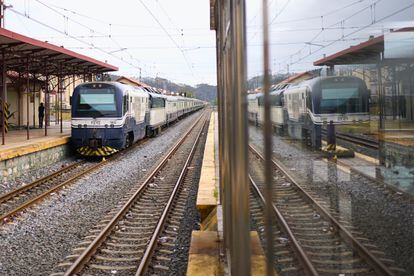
362	28
90	29
322	29
107	22
170	37
73	37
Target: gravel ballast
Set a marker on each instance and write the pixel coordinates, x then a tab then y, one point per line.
383	216
42	237
32	175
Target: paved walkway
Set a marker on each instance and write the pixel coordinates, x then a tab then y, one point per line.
17	143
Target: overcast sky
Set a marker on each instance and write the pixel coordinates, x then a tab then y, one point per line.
184	52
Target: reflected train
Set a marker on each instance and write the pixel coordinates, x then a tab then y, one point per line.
110	116
300	110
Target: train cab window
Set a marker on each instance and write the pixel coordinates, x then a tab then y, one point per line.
308	99
125	103
96	102
157	102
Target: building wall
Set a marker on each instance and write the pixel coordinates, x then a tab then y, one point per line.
13	99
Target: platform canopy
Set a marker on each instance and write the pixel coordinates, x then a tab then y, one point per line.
366	52
17	51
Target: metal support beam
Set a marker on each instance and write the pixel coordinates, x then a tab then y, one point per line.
60	91
3	100
46	103
33	94
268	146
240	187
19	101
27	98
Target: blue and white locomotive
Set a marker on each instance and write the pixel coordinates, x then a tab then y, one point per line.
300	110
110	116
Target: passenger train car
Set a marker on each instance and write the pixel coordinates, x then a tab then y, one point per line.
110	116
301	109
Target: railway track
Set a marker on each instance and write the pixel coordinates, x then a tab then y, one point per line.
146	219
310	237
18	200
26	196
357	140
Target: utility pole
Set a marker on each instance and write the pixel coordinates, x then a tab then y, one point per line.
2	13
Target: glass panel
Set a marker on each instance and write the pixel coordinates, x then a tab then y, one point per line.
94	102
342	112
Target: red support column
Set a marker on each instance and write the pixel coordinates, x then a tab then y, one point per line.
3	100
60	90
27	99
34	101
46	103
19	102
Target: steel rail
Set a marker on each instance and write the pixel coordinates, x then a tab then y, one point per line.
146	259
37	182
374	262
46	193
300	252
356	140
86	255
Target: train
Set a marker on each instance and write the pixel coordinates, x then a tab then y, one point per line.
300	110
111	116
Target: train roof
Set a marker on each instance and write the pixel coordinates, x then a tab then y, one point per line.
114	83
156	95
253	96
318	80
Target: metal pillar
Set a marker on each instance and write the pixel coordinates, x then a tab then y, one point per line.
2	8
19	101
331	136
56	107
60	89
240	188
27	99
34	100
3	100
268	147
46	103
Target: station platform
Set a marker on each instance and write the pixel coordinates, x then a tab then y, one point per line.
18	145
19	154
207	244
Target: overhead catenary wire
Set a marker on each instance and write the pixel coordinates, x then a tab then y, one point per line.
70	36
67	18
356	31
169	36
112	23
323	28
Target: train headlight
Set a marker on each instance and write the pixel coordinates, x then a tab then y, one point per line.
112	125
106	126
85	125
79	126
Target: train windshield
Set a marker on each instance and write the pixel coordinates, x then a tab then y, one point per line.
341	98
96	102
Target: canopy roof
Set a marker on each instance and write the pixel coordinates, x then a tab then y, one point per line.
367	52
45	58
